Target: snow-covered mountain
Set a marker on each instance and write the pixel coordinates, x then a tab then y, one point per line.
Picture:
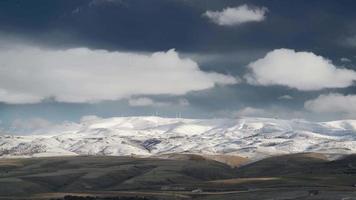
151	136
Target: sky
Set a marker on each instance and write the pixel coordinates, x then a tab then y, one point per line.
61	60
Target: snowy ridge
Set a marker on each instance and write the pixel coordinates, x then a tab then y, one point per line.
148	136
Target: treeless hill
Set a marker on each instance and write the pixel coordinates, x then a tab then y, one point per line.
231	160
284	165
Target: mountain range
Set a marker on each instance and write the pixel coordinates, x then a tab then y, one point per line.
156	136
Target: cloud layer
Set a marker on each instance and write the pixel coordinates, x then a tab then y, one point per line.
30	124
236	15
350	41
333	103
30	74
301	70
145	101
251	112
285	97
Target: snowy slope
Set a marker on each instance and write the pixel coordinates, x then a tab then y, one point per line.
147	136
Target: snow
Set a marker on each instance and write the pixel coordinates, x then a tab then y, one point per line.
152	136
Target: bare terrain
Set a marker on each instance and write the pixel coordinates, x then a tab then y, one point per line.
295	176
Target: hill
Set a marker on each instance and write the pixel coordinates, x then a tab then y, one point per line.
295	176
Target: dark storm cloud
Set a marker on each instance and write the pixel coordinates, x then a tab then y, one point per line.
161	25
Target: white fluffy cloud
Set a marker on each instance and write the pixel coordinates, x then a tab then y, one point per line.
237	15
145	101
301	70
30	74
332	103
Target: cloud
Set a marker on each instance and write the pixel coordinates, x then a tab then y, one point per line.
345	60
29	74
350	41
333	103
89	118
30	124
301	70
285	97
181	102
269	112
237	15
145	101
251	112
